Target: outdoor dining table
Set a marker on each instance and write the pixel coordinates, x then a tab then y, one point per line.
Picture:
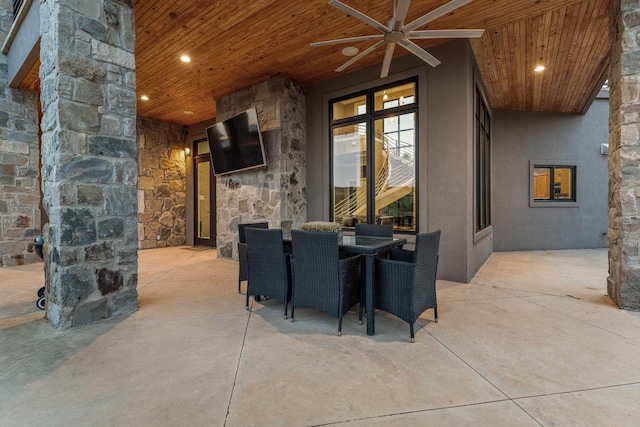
370	247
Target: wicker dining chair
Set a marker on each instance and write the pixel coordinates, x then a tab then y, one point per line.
321	279
407	289
268	266
374	230
242	249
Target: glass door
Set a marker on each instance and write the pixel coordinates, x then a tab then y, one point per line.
204	196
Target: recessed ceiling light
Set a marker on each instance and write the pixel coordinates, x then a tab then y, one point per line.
144	97
185	58
539	68
350	51
187	112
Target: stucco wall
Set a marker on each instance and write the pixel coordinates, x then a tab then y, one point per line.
519	137
449	197
444	146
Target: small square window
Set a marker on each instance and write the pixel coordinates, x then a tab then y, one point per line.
552	183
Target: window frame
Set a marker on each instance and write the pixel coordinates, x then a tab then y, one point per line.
370	117
482	167
554	203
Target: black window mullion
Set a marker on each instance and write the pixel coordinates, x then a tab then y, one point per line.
371	167
553	183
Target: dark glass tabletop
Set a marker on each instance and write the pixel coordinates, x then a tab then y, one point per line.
365	245
368	245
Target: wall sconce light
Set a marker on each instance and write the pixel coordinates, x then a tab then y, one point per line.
604	149
187	151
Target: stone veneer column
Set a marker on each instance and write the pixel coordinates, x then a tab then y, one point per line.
276	193
19	163
89	168
623	283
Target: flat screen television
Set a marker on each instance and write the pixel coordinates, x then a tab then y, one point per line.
236	144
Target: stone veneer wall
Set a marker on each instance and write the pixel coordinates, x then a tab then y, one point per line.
89	151
276	193
19	163
162	184
623	236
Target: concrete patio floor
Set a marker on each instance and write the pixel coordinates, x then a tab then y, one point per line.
533	340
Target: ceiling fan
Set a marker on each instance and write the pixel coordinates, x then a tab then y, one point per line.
397	33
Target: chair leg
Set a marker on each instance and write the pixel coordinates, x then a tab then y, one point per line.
435	312
360	315
239	286
411	330
285	307
292	307
340	326
247	303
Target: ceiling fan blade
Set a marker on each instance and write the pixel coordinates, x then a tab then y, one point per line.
386	63
444	34
358	15
400	14
347	40
434	14
360	56
419	52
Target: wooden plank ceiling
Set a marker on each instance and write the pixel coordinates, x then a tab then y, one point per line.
238	43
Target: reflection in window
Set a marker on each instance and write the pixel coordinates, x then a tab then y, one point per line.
202	146
349	172
203	185
374	158
350	107
554	183
395	198
396	96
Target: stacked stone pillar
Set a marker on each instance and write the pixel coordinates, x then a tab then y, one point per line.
623	282
89	151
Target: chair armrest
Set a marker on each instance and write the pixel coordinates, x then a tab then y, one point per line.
396	274
350	262
394	287
397	263
349	269
402	255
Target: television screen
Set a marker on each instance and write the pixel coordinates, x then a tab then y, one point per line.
236	143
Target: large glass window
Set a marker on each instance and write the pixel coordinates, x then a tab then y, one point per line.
374	138
482	165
